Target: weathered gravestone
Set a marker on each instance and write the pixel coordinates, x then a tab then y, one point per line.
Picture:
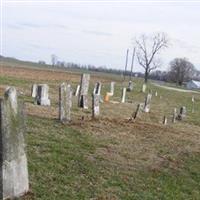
95	105
130	86
138	110
165	120
13	161
182	113
97	88
34	90
65	102
42	97
83	94
112	88
123	95
174	116
144	86
147	103
77	90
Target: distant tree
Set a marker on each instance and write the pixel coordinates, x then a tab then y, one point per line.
181	70
148	47
54	59
41	62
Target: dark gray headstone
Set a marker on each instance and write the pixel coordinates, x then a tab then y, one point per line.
97	88
182	113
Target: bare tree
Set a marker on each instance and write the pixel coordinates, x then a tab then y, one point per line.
148	47
181	70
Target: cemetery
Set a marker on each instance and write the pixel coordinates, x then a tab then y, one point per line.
81	135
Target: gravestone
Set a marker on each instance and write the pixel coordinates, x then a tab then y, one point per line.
130	86
95	105
112	88
182	113
97	88
123	95
14	172
193	101
83	94
42	97
77	90
34	90
147	103
144	87
65	102
174	116
138	110
165	120
156	94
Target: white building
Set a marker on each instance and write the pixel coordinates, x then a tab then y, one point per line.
193	84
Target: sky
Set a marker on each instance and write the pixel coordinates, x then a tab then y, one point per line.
98	33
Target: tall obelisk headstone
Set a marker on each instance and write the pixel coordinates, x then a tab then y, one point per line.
13	161
83	94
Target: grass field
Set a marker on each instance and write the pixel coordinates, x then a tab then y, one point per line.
108	158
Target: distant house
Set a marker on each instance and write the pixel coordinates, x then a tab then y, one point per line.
193	84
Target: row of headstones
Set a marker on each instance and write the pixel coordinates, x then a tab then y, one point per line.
145	107
14	172
14	180
41	94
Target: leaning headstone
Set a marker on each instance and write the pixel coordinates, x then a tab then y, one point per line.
182	113
95	105
165	120
144	86
13	162
174	116
65	102
97	88
130	86
77	90
123	95
112	88
42	97
138	110
147	103
34	90
83	94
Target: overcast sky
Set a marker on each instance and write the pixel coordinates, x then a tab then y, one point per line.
98	33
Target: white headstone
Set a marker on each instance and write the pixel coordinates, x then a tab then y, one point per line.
123	95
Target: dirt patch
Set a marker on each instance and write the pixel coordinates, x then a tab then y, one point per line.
45	74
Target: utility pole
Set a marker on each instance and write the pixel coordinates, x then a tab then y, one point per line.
126	63
132	63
